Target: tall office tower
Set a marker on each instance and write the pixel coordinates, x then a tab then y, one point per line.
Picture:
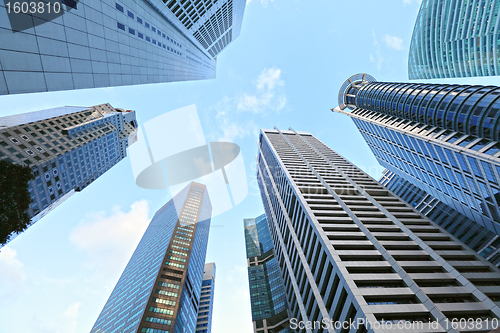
267	291
159	290
205	310
455	38
478	238
350	250
441	138
67	148
114	43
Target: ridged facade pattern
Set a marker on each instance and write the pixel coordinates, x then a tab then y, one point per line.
213	23
475	236
455	168
462	108
455	38
349	249
441	138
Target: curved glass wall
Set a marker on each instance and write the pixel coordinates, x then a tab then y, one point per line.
468	109
455	38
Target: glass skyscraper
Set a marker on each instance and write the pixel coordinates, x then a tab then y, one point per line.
441	138
455	38
478	238
160	288
206	308
67	148
267	292
352	251
114	43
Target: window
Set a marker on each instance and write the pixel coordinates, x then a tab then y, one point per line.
139	20
141	36
153	28
24	137
120	26
119	7
30	152
148	39
146	24
130	14
131	31
14	140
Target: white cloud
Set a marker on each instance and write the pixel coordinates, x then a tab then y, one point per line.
377	59
393	42
73	311
263	2
12	275
269	94
109	241
410	2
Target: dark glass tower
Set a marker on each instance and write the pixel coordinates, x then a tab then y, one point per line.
267	292
441	138
478	238
206	309
67	148
160	288
350	250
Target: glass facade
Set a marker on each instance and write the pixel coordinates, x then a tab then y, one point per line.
441	138
160	288
478	238
67	148
114	43
205	311
267	292
351	251
455	38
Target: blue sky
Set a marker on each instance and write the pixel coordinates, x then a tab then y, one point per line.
284	70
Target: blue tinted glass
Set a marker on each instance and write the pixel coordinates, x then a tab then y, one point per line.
493	150
463	164
475	167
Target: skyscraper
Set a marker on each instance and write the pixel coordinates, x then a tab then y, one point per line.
114	43
267	292
67	148
455	39
206	308
441	138
475	236
159	290
350	250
